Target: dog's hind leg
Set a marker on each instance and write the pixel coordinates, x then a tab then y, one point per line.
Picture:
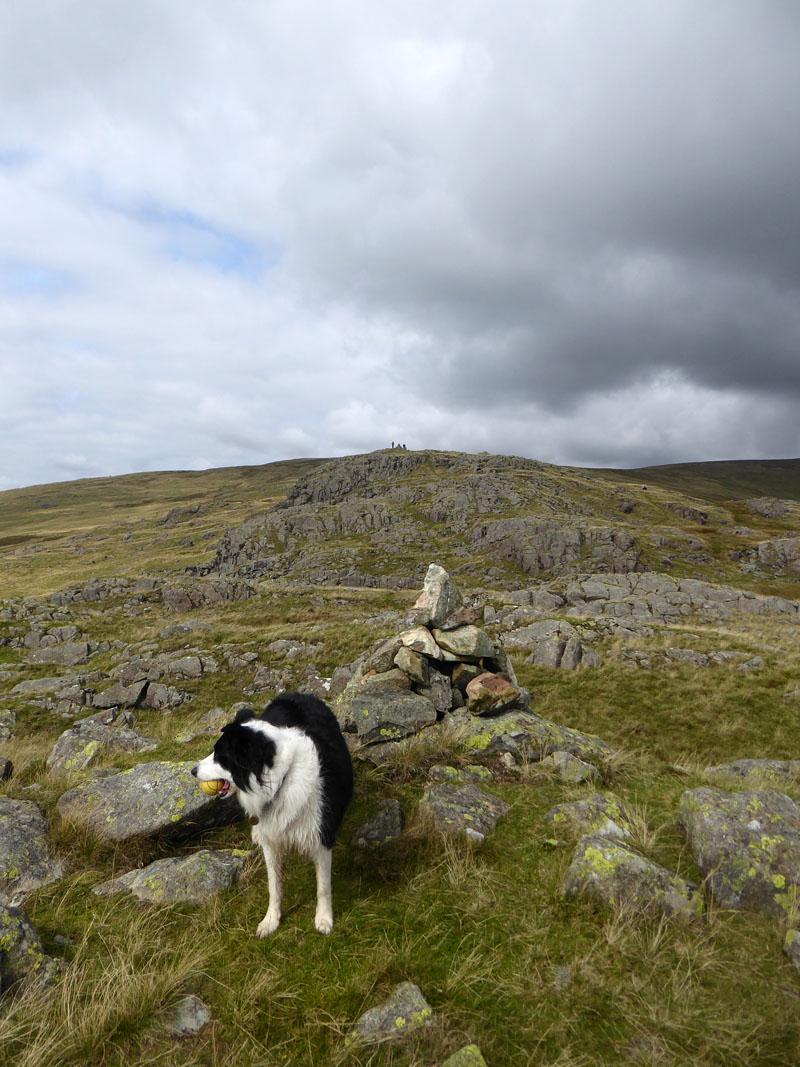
273	858
324	917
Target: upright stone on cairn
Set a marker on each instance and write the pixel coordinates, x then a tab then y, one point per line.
439	597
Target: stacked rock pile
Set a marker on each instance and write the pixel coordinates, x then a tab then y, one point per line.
442	663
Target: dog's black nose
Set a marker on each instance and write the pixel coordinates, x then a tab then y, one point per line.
194	771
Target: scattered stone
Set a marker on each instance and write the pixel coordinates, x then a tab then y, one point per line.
119	695
86	741
468	1056
602	814
570	768
155	799
753	664
385	825
189	1016
439	597
405	1011
22	955
26	860
464	809
612	873
747	846
191	879
473	772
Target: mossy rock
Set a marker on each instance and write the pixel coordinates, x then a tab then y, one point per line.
602	814
405	1011
22	956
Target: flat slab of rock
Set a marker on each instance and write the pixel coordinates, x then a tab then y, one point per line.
602	815
405	1011
186	879
85	742
464	809
529	736
747	845
22	955
610	872
27	861
388	716
154	799
385	825
67	655
466	642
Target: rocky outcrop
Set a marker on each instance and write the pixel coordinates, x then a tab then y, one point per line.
153	799
27	861
747	845
552	643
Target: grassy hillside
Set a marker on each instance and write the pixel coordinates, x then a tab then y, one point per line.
722	480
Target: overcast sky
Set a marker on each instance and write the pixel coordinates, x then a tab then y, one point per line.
234	231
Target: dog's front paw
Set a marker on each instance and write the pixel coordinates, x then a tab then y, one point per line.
268	925
324	923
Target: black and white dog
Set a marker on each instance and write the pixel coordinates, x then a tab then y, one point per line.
292	773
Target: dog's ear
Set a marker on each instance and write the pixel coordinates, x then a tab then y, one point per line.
244	715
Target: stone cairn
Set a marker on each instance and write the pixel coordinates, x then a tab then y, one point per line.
442	664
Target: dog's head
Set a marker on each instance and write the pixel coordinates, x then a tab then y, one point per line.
240	757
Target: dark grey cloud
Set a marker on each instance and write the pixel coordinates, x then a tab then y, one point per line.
231	235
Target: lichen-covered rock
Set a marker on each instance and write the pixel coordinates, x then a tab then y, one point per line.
26	860
529	736
439	597
570	768
8	720
69	654
387	716
189	879
747	845
608	871
757	771
602	814
791	946
405	1011
87	741
468	1056
385	825
473	772
155	799
464	809
22	955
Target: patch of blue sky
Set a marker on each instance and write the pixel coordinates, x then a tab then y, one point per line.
22	278
190	238
11	158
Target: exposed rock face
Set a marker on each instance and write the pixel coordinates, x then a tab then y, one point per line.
403	1012
552	643
191	879
606	870
22	955
158	799
746	844
464	809
27	861
388	716
529	736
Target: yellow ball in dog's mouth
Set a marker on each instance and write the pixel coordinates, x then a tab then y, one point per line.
213	787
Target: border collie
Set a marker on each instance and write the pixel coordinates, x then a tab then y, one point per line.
292	773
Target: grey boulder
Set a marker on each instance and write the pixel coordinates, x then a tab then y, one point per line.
88	740
405	1011
189	879
27	861
464	809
